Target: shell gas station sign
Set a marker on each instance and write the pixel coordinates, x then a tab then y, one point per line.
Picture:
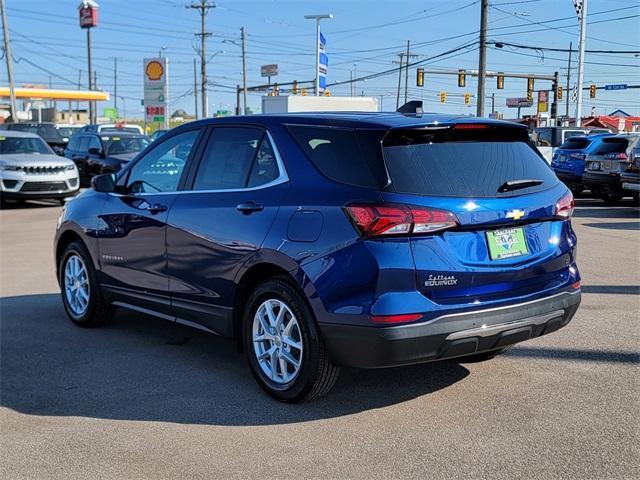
155	89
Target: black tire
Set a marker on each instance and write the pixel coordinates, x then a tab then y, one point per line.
610	197
484	356
316	374
98	311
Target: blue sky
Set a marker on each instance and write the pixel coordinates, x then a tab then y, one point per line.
364	37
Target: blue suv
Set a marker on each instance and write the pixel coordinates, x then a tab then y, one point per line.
324	240
569	159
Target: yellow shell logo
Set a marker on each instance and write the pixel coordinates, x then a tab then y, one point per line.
154	70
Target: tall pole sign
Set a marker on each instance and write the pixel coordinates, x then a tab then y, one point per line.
88	13
581	12
321	57
156	80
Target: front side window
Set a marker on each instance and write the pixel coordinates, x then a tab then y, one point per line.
236	158
126	144
542	137
94	143
160	169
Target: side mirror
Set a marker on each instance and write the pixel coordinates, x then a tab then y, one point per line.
98	152
104	183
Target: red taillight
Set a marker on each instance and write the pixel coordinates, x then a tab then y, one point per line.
469	126
397	219
617	156
564	207
576	285
394	319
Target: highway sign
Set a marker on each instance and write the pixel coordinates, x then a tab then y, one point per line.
616	86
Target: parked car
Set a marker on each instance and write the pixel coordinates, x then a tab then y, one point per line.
119	127
547	139
30	169
328	239
569	159
95	154
46	131
630	178
68	129
157	134
604	167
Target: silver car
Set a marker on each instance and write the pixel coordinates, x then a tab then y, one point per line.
29	169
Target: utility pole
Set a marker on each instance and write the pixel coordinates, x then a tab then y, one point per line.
204	6
244	71
317	18
401	55
95	106
355	75
493	103
195	88
79	87
406	74
482	62
9	57
92	105
583	36
115	84
566	112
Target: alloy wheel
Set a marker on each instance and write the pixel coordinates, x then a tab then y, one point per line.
76	285
277	341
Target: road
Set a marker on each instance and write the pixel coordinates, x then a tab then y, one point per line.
142	398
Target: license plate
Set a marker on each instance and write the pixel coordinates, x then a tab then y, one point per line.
506	243
595	166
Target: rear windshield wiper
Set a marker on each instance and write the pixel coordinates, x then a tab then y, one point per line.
510	185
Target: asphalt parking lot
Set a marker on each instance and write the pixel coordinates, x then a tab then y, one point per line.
142	398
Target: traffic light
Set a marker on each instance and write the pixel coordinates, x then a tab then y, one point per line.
443	97
326	93
420	77
530	89
462	78
303	92
500	81
592	91
294	90
467	98
559	92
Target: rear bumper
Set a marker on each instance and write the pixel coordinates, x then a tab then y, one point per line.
569	178
448	336
609	181
630	182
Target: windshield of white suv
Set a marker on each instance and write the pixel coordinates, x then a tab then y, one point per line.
16	145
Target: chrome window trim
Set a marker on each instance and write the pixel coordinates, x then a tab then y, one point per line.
283	177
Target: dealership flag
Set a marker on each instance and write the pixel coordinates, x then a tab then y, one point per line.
323	63
578	6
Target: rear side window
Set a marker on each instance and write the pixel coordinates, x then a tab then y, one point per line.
611	145
575	143
336	153
476	165
236	158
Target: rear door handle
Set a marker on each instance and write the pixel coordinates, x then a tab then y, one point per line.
156	208
249	207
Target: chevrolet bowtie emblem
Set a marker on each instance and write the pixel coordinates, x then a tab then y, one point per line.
515	214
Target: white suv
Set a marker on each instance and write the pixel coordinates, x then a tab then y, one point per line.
30	169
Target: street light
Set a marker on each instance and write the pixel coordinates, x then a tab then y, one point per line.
317	18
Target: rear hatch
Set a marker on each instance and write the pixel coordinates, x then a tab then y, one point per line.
509	238
570	156
610	156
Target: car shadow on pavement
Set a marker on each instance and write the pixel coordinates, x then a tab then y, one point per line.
590	208
612	289
615	225
140	368
29	204
605	356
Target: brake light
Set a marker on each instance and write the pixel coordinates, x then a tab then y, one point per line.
577	156
617	156
564	207
397	219
395	319
469	126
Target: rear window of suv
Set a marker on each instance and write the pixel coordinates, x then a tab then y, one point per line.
575	143
611	145
464	163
